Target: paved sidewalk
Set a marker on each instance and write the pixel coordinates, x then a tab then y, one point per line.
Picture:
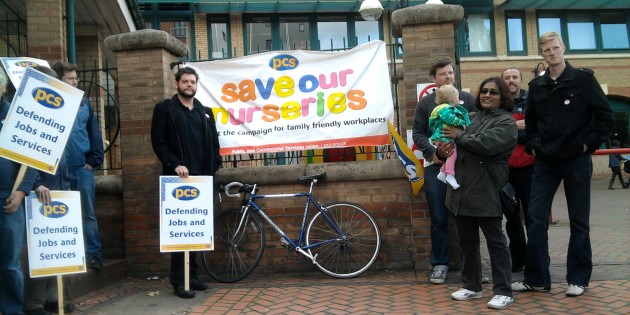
403	292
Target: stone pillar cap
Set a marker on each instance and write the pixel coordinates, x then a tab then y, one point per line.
146	39
425	14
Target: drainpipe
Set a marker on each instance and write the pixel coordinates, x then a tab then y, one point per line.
72	56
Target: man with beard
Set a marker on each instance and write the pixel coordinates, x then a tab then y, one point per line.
185	139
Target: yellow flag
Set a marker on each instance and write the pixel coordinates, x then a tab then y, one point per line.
411	165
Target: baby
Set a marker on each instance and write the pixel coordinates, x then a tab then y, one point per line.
447	113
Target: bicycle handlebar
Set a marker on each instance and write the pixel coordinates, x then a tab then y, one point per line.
226	189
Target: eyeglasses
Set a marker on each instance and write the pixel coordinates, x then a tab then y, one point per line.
71	79
492	92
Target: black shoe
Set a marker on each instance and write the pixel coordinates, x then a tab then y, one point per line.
95	263
198	285
182	293
517	268
53	307
611	188
37	311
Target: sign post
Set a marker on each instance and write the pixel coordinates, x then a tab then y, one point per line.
186	216
55	237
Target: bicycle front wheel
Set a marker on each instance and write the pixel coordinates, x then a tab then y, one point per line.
351	252
236	253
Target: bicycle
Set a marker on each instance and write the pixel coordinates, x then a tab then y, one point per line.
342	238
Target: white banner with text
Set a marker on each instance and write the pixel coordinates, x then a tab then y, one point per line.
299	100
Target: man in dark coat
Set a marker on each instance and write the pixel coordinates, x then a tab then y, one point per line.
184	137
568	118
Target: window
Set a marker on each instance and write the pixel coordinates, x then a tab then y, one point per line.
258	39
366	31
308	32
549	23
294	33
478	36
219	37
614	30
179	29
332	33
515	24
581	31
588	31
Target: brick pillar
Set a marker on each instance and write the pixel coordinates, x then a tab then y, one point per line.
46	29
428	31
144	78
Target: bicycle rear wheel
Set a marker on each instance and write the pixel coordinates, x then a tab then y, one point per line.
348	254
235	255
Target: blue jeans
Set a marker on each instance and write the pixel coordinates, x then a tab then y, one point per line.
435	191
12	233
576	175
82	180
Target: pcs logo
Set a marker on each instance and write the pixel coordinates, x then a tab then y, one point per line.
283	62
55	209
26	63
47	98
185	193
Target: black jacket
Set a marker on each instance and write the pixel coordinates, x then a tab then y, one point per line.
564	115
170	144
481	168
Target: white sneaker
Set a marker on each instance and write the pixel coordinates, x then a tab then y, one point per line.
438	276
465	294
450	179
442	177
500	302
575	290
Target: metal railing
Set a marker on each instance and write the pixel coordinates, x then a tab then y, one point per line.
13	41
100	88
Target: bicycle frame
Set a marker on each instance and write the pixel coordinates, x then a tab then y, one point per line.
251	205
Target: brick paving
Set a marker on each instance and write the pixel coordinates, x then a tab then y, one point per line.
383	292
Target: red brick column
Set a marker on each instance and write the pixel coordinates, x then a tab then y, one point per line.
428	31
145	78
46	29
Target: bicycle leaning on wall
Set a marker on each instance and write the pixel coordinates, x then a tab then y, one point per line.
342	238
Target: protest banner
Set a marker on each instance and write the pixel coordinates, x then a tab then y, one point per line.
39	121
55	234
16	66
186	213
412	167
299	100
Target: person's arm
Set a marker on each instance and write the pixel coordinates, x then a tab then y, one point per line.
491	141
159	137
532	136
603	119
216	146
420	127
94	157
24	188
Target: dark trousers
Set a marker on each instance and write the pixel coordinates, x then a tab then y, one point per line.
616	172
576	176
177	267
521	179
468	234
435	191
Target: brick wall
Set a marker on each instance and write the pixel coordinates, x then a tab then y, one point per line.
46	29
388	200
145	70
